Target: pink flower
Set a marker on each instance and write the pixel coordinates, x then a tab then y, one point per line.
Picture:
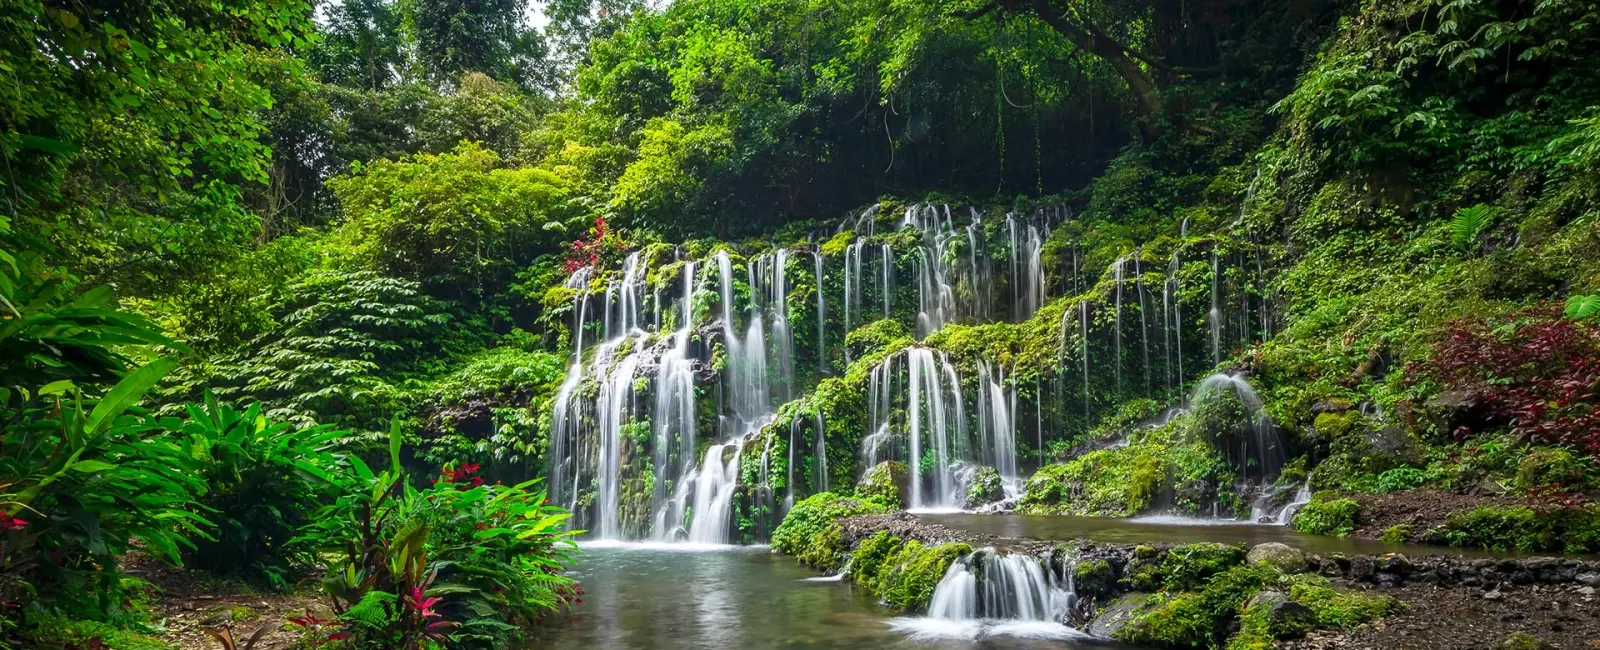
8	522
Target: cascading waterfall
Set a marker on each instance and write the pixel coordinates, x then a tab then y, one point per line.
1214	317
822	319
673	420
1260	447
988	584
996	429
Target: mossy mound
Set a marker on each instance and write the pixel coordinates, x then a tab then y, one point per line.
889	480
811	530
1328	514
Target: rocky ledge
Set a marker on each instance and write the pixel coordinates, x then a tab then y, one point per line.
1167	595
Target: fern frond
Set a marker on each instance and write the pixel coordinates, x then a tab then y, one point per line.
1468	223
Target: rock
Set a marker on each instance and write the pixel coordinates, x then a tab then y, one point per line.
1493	595
1267	598
889	479
1590	579
1282	556
1362	568
1290	619
1117	615
1394	442
1522	641
980	486
1587	591
1453	409
1331	405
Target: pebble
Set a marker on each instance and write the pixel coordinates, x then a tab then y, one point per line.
1493	595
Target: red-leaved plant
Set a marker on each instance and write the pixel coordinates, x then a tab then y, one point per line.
1534	369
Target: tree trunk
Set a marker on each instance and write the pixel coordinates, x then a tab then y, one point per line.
1138	79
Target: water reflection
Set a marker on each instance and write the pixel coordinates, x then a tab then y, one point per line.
734	598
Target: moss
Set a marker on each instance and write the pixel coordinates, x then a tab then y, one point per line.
1396	534
984	488
1143	572
836	245
1337	609
56	633
875	336
870	557
241	614
909	575
1552	466
1188	567
1520	528
888	481
1327	515
1520	640
1093	578
811	531
1198	618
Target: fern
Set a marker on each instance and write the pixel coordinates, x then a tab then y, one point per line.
1468	223
1581	307
374	610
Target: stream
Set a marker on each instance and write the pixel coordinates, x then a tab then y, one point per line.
669	596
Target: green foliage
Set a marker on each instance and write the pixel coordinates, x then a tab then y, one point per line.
1520	528
1328	515
49	632
1581	307
264	482
472	561
1188	567
1468	223
907	577
811	529
1199	618
887	481
1338	609
1550	467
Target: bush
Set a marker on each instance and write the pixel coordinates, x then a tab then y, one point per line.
1342	609
264	482
1553	467
1188	567
1326	515
1520	528
460	563
803	532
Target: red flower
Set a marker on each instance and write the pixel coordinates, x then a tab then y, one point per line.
8	522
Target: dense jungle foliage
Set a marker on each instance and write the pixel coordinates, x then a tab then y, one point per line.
283	283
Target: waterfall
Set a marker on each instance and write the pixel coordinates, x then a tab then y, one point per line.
1083	323
990	585
996	428
1214	317
822	319
1117	356
673	420
1260	446
1144	317
713	495
1170	300
888	280
820	467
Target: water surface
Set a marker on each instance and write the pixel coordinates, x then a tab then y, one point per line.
662	597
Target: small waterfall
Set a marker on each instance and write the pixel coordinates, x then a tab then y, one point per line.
1170	302
1144	317
1266	508
1083	324
1011	586
1214	317
822	319
1116	358
888	280
820	466
997	434
713	495
1260	447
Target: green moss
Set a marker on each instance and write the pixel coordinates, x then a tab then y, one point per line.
875	336
909	575
1520	528
1195	619
1396	534
1093	578
836	245
1552	466
985	487
1327	515
887	481
1188	567
55	633
811	532
241	614
871	556
1338	609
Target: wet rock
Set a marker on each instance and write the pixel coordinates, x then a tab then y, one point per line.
1452	410
1395	443
1331	405
1290	619
1362	568
980	487
1117	615
1589	578
1266	598
889	479
1493	594
1282	556
1522	641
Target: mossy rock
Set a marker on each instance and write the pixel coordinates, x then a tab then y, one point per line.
889	480
983	488
1188	567
1094	578
1520	640
911	573
811	530
1282	557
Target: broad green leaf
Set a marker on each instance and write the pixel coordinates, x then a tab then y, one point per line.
127	393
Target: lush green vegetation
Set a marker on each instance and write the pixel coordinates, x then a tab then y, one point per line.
250	250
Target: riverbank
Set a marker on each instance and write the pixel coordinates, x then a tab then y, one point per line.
1170	595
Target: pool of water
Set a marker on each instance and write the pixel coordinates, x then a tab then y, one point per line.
661	597
1176	530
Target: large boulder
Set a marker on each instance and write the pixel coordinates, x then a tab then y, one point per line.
1283	557
889	479
1117	615
980	486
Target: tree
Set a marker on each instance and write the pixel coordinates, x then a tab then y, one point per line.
361	45
459	36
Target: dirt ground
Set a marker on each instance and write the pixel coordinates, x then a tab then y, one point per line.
1567	617
189	602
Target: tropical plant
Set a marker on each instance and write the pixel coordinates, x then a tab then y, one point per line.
264	481
1468	223
1581	307
81	481
456	564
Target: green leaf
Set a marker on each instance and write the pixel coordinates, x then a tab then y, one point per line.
127	393
92	466
1581	307
55	387
46	145
1468	223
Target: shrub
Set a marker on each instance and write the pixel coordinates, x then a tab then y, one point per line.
1520	528
1188	567
1554	467
264	481
1198	618
802	532
1326	515
1534	370
459	563
82	481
